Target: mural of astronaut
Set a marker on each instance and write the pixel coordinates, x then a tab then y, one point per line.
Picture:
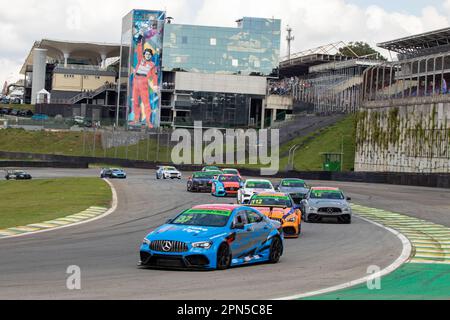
146	74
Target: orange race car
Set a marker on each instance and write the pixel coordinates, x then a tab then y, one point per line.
280	207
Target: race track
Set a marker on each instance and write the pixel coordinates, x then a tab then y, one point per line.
34	266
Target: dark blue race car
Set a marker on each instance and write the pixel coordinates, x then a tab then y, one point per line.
213	237
202	181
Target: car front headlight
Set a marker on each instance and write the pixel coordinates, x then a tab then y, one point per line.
313	209
292	218
202	245
147	242
347	210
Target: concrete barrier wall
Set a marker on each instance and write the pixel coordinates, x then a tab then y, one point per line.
404	135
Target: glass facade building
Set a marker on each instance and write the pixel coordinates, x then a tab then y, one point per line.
217	75
219	110
252	48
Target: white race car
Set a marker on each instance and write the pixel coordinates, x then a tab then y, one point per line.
253	187
168	173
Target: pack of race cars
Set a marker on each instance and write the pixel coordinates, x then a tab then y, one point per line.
217	237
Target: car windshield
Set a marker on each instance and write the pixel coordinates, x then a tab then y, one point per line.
203	218
117	170
205	175
211	169
229	179
19	172
258	185
327	194
293	184
271	201
170	169
230	171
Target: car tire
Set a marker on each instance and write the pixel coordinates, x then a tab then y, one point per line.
276	250
223	257
345	220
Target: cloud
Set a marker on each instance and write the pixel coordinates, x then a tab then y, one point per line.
319	22
315	22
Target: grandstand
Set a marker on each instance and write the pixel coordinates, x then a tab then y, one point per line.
404	126
423	68
322	80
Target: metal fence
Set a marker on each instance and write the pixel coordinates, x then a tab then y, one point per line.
154	146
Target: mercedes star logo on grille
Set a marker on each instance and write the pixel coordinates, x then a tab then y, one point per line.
167	246
330	210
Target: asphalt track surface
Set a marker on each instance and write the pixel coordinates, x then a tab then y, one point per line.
328	254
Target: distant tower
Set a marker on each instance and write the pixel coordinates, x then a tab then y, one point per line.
289	39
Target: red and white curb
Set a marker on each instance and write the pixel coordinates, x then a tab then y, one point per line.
87	216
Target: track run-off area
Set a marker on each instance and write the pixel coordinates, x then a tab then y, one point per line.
326	255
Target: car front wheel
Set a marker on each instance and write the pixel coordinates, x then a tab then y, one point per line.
276	250
345	219
223	257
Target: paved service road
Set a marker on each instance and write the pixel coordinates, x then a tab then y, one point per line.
34	267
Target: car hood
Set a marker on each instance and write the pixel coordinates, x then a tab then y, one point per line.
328	203
172	171
201	180
185	233
250	191
294	190
276	212
231	184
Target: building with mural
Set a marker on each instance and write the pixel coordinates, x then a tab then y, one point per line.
217	75
162	74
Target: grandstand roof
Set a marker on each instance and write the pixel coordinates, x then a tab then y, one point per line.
420	42
90	51
299	63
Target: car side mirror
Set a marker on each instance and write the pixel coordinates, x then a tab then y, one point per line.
349	199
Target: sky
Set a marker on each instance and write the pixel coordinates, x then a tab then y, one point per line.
314	22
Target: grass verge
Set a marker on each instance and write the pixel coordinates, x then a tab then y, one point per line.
28	202
331	139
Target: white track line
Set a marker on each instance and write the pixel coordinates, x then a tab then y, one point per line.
107	213
404	257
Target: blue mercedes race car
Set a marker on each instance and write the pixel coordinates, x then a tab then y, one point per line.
213	237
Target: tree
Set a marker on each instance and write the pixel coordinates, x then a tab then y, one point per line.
360	49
